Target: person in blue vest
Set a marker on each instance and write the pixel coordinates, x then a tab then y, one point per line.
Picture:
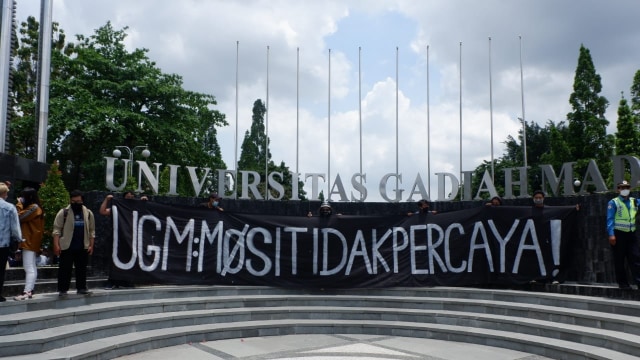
621	228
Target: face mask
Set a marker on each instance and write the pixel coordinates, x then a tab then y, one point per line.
77	208
215	203
538	201
625	192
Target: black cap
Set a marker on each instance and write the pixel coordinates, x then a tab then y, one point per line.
624	184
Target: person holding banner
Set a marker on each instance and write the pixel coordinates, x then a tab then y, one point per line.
495	201
621	228
105	209
423	208
325	210
538	199
213	203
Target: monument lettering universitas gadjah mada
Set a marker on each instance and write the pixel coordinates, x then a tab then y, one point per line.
516	177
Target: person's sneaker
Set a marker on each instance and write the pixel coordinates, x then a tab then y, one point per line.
25	295
109	287
62	294
624	286
2	299
83	292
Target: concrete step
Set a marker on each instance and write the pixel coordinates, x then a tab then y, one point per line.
81	331
124	344
18	322
45	324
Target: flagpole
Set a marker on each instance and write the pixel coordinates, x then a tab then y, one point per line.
297	107
397	169
460	75
6	24
266	140
235	184
328	197
491	113
524	122
44	78
360	104
428	130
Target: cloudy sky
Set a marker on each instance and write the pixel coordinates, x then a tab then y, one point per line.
348	52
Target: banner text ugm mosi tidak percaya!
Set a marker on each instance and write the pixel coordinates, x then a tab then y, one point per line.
486	245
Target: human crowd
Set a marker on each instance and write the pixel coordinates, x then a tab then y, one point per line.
21	235
22	230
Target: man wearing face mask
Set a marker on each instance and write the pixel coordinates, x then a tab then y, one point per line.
213	203
621	228
538	199
74	232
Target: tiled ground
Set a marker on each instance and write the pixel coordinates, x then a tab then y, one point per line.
333	347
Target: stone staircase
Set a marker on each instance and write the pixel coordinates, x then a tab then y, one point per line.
108	324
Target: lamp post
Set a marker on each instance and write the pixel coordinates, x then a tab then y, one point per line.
576	184
145	153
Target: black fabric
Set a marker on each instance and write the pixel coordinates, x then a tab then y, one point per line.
190	245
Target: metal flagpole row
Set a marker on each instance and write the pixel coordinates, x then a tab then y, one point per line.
397	116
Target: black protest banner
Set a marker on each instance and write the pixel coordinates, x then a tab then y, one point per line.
182	245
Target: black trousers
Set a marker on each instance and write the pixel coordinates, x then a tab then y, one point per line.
4	256
68	260
626	248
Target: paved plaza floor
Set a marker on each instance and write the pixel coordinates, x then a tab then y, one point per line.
332	347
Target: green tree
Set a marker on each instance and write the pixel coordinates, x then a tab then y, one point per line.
559	152
254	152
627	136
498	181
53	196
587	125
545	145
537	144
103	96
254	147
635	96
635	101
255	155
